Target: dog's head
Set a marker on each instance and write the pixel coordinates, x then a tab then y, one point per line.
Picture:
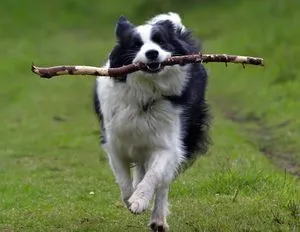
152	43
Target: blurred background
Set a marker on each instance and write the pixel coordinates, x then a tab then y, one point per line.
47	127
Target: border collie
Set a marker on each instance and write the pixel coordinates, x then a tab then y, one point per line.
152	121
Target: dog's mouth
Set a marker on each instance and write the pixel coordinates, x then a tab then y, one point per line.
153	67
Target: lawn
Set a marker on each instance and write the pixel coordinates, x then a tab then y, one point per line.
54	175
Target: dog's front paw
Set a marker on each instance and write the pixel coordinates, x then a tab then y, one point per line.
138	202
159	226
138	206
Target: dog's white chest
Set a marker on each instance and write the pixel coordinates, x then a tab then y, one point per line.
140	124
133	124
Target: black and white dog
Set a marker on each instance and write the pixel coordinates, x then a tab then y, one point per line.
153	121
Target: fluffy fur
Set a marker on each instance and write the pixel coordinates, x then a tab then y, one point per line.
153	121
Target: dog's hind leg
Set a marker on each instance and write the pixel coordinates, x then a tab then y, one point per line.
160	210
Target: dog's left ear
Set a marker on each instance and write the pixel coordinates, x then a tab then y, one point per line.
123	27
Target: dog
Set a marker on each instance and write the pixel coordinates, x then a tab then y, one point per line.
154	121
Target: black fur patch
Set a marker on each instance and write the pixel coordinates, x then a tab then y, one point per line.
195	117
97	108
171	39
128	44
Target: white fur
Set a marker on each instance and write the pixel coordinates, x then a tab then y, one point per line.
150	139
171	16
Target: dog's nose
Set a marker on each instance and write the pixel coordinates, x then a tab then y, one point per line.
152	54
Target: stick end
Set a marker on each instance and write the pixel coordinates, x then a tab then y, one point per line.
33	68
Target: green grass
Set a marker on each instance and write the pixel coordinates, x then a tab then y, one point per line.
50	158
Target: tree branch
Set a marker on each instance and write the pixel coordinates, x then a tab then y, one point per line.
49	72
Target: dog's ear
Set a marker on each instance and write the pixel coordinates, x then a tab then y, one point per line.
168	25
182	38
123	27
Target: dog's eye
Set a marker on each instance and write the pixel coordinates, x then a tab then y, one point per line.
157	38
137	43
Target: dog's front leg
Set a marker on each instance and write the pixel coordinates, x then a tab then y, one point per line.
121	169
161	168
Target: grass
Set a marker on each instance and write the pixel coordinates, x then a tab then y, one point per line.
50	160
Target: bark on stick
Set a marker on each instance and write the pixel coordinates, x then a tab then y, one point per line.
49	72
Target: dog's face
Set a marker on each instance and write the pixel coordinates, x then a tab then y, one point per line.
150	44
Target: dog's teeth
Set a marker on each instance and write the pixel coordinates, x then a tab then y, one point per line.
154	69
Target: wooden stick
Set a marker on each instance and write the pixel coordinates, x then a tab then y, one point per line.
49	72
